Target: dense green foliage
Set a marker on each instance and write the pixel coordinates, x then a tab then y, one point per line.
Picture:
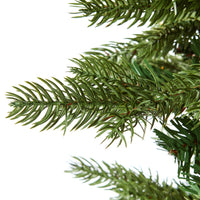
129	184
121	87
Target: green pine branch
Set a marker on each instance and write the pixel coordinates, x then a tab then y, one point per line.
161	39
127	183
183	143
113	98
108	11
102	94
58	105
140	11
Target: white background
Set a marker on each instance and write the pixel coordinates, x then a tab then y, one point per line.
37	39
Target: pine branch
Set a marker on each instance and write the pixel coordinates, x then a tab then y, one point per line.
90	106
155	46
113	98
142	11
111	11
100	106
158	41
183	143
127	183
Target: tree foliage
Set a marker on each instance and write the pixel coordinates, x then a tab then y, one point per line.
121	86
136	11
186	151
127	183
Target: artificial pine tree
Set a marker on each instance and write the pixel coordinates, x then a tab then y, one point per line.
120	86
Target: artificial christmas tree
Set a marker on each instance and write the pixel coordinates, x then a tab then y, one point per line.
121	86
